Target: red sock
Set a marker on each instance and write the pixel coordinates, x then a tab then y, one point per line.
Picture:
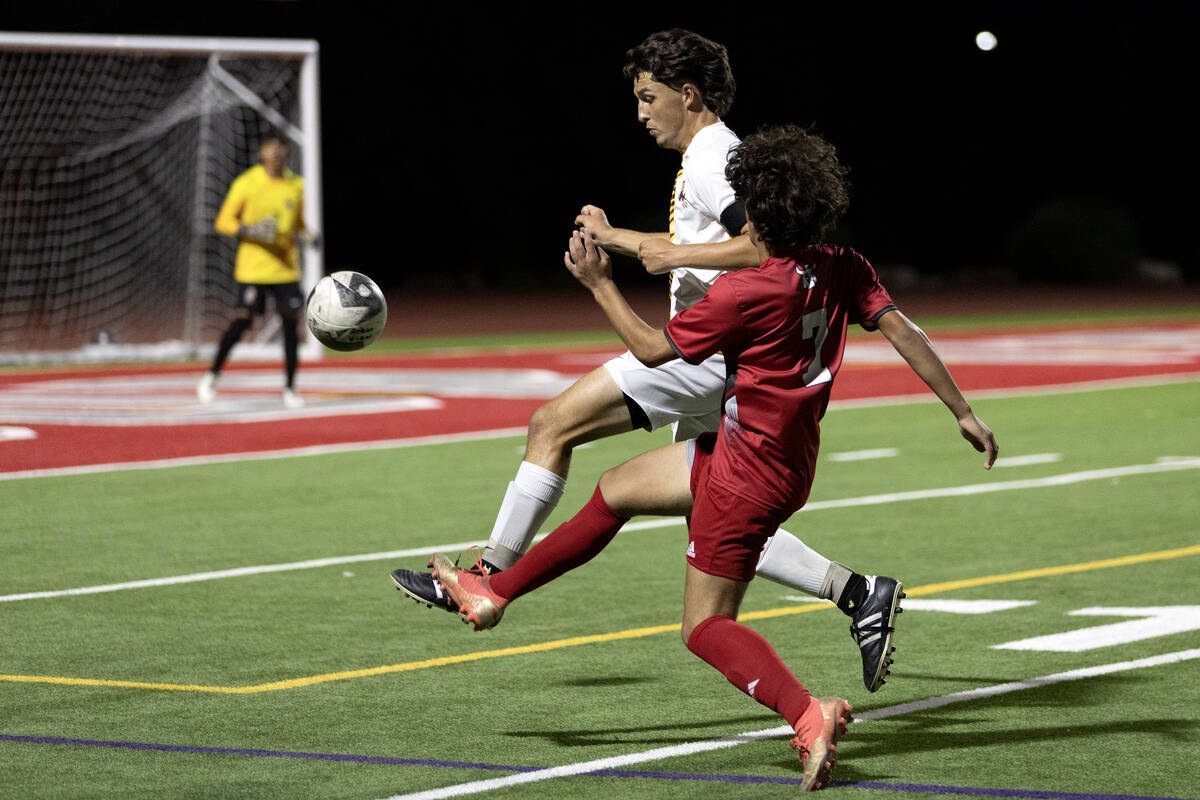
751	664
570	545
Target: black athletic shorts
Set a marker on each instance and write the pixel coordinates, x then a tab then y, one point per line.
253	296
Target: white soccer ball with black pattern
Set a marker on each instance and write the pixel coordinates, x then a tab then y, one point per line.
346	311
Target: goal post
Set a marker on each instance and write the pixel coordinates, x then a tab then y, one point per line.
115	155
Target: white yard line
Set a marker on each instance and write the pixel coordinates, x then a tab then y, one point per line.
1025	391
1029	460
235	573
314	450
226	458
1065	479
1028	683
657	754
864	455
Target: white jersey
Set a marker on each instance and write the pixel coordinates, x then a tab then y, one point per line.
701	194
683	395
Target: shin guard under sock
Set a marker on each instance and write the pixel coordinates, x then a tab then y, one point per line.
571	544
751	664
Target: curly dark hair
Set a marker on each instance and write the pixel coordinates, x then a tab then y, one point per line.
678	56
792	183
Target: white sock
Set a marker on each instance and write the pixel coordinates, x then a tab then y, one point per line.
787	560
530	498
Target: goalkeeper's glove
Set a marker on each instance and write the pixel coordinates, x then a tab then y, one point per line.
263	231
308	238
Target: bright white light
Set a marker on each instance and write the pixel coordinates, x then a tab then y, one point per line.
985	40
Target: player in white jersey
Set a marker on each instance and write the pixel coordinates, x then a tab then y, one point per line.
703	211
683	84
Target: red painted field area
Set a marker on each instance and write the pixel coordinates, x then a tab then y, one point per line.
92	416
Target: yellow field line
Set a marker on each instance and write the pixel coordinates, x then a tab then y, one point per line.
575	641
1087	566
169	687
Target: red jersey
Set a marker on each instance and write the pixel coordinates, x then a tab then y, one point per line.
782	328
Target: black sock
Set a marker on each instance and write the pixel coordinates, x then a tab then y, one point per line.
232	334
291	341
854	595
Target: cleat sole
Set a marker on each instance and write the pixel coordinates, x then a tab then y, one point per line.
890	628
820	757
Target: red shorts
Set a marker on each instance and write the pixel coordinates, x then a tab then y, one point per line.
726	532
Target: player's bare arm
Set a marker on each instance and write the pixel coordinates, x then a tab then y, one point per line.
594	222
593	268
660	255
912	343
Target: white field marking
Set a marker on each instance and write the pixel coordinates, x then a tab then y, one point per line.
947	606
189	461
1030	683
291	452
657	754
1024	391
864	455
964	606
253	395
663	522
1128	346
1027	461
1065	479
238	572
1156	621
10	433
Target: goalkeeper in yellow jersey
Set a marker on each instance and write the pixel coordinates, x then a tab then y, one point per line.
264	210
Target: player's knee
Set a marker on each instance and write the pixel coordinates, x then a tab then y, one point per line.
687	629
546	426
614	487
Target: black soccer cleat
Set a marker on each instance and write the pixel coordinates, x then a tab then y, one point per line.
874	626
424	588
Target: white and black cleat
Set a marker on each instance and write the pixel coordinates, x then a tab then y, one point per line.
423	588
874	626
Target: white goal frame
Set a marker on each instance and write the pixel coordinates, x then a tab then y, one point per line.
307	135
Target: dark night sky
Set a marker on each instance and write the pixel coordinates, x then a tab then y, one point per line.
474	134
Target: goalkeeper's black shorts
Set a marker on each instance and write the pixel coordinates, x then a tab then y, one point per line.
253	296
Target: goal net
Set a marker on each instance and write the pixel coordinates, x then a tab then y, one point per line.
115	155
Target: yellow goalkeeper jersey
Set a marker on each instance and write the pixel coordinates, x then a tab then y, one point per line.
253	197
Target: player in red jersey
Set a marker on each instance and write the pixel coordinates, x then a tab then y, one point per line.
683	83
782	328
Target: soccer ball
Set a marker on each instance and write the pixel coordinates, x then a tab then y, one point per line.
345	311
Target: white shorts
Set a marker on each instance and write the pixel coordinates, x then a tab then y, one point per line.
676	393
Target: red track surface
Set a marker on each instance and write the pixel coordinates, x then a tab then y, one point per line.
62	445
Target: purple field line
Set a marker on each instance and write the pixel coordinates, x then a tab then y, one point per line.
1021	794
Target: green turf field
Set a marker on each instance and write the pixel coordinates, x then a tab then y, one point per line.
240	683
